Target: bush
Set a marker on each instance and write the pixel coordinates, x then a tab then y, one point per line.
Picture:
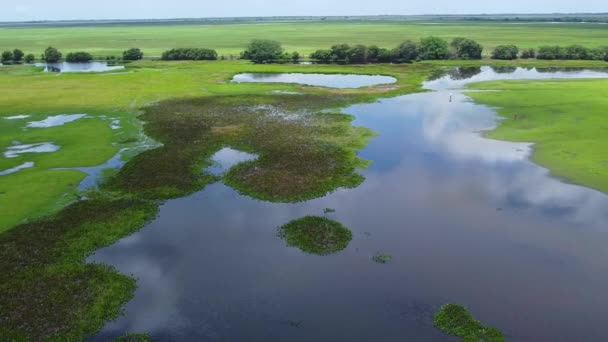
78	57
357	54
405	52
464	48
506	52
133	54
528	53
599	54
51	55
7	56
550	52
321	56
17	55
295	57
30	58
185	54
263	51
433	48
576	52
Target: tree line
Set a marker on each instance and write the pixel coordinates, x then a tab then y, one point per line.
53	55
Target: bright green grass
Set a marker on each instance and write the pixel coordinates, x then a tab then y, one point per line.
303	37
567	120
316	235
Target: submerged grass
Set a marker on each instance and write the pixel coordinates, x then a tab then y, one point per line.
316	235
456	320
565	118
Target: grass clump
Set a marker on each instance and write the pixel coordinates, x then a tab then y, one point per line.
382	258
316	235
456	320
329	210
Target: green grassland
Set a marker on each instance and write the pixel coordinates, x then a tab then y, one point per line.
565	118
295	36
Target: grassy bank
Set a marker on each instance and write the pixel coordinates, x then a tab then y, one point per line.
565	118
304	37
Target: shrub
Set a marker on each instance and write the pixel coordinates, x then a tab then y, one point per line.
576	52
321	56
51	55
550	52
263	51
433	48
506	52
405	52
295	57
78	57
7	56
464	48
30	58
185	54
357	54
528	53
133	54
17	55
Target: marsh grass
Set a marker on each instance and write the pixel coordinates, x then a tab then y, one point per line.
316	235
382	258
456	320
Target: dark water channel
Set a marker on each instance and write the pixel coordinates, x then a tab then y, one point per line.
465	219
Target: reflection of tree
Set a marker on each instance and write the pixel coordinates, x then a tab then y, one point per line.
504	69
53	69
464	73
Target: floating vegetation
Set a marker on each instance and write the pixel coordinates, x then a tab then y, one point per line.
456	320
54	121
133	338
316	235
382	258
297	159
329	210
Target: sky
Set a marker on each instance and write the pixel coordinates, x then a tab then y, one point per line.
25	10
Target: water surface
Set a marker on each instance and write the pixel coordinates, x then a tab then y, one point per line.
79	67
321	80
465	219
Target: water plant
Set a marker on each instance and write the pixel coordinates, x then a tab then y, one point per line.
382	258
456	320
316	235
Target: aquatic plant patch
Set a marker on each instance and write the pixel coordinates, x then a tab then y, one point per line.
456	320
316	235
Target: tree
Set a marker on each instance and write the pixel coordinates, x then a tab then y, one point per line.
295	57
357	54
576	52
373	53
263	51
506	52
340	53
78	57
321	56
7	56
405	52
30	58
184	54
550	52
432	48
528	53
51	55
133	54
465	48
17	55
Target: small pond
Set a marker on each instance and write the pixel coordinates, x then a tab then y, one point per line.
322	80
79	67
464	220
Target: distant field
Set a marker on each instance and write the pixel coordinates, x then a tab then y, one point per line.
304	37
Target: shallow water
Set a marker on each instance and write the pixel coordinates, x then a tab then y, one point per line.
465	219
79	67
19	149
224	159
17	168
321	80
17	117
56	120
95	173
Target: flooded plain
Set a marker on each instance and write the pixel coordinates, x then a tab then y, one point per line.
322	80
464	219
